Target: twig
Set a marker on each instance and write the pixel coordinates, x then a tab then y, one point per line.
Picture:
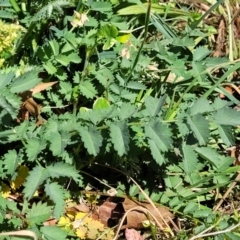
201	235
145	195
20	233
233	86
227	192
139	208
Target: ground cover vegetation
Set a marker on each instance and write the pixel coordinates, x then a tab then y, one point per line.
119	119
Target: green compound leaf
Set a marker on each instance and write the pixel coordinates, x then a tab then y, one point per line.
200	53
91	138
10	161
201	105
208	154
119	133
33	148
226	134
101	103
60	141
62	59
53	233
38	214
36	177
10	102
5	79
154	105
101	6
62	170
156	153
159	134
56	194
200	127
189	159
227	116
25	82
87	89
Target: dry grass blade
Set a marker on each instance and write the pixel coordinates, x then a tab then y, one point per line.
22	233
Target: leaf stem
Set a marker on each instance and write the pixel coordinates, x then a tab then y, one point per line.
144	40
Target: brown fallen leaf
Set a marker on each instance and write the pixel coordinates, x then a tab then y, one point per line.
136	217
111	211
132	234
42	86
221	39
29	106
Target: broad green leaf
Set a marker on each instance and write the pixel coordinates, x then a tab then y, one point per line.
190	208
5	79
200	106
61	169
134	190
25	82
38	214
224	163
91	138
209	154
5	3
183	42
154	105
60	141
74	58
219	103
123	38
159	9
36	177
226	134
50	68
62	59
53	233
200	53
101	6
6	14
119	133
101	103
33	148
108	31
66	90
126	110
189	159
173	181
198	71
202	213
11	161
136	86
126	94
200	127
56	194
156	153
109	43
160	134
87	89
10	102
55	47
227	116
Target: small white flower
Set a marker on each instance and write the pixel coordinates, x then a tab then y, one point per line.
79	19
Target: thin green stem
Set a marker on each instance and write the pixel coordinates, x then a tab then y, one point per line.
147	18
15	6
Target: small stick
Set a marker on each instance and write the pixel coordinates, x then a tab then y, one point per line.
227	192
20	233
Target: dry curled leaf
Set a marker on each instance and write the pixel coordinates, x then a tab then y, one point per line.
41	86
135	218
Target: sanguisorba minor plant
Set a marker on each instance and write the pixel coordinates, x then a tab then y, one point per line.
128	92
